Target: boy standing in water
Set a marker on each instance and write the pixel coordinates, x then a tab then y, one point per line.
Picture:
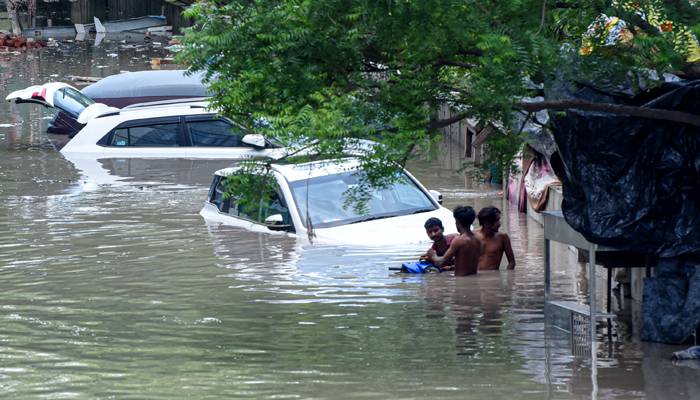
436	233
465	248
495	243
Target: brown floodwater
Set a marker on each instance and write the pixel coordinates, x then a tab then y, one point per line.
113	286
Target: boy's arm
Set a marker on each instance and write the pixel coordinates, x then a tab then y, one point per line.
509	251
426	255
440	261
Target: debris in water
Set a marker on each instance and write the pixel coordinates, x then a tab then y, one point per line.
691	353
76	78
10	41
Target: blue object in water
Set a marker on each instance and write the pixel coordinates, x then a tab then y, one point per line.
691	353
420	267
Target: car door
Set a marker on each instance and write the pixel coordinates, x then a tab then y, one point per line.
214	137
153	137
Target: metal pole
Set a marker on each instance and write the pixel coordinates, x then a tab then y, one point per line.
594	311
547	271
591	288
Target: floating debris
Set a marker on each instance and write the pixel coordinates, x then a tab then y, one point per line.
691	353
76	78
175	48
9	42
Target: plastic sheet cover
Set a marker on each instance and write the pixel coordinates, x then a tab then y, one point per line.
632	183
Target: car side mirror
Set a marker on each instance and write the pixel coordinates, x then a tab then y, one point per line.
436	195
275	222
255	140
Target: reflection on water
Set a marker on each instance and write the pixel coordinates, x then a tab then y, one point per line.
124	291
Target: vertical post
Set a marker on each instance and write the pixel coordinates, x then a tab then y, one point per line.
593	311
592	288
608	306
547	270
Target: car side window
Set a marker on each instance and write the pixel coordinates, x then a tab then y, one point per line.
120	137
260	212
156	135
216	195
214	133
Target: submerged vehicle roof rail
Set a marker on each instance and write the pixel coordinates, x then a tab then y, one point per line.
111	114
168	102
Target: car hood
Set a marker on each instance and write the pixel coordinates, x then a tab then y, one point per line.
402	230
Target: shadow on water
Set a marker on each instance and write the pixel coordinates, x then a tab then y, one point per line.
113	286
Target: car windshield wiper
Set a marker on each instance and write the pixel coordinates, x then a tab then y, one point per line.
374	218
422	210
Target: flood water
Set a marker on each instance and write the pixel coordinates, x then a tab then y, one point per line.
113	286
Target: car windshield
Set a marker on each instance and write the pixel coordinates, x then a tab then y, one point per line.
71	101
327	194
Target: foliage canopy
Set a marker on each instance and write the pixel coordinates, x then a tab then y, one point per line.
325	72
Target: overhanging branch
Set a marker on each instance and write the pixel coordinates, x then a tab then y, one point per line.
630	111
441	123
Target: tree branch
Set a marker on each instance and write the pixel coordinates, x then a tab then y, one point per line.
542	17
441	123
631	111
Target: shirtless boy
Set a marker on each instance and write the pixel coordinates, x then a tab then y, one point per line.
436	233
465	248
494	243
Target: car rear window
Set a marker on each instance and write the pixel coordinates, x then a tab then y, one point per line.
71	101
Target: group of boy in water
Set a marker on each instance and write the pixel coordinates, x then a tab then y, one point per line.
469	252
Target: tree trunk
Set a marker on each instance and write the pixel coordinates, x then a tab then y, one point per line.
31	10
14	18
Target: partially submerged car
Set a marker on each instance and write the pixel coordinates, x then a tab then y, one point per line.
309	201
179	128
119	90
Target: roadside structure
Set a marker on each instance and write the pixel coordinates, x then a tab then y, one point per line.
29	13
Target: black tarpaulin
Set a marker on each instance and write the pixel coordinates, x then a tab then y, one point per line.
631	182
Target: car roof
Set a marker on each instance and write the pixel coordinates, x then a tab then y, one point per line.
313	169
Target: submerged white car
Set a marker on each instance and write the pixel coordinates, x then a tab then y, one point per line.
312	195
168	129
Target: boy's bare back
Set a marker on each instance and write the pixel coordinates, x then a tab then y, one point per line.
493	248
466	249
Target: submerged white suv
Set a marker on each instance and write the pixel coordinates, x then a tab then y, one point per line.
174	128
310	201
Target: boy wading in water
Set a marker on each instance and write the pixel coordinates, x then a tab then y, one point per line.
465	248
494	243
436	233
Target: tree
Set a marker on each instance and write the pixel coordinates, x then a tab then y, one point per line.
14	7
324	72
